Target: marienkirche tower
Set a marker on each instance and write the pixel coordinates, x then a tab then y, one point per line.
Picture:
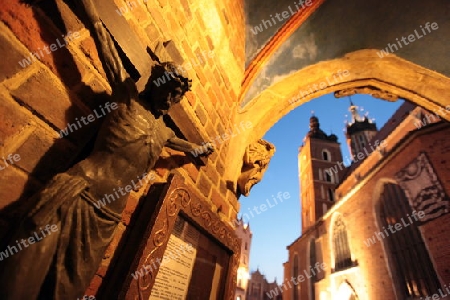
318	161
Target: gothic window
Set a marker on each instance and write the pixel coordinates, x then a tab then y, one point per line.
295	273
409	256
362	141
330	195
256	289
320	174
353	146
319	259
326	155
342	254
328	176
346	291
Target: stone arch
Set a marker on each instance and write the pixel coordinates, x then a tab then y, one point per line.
390	76
346	292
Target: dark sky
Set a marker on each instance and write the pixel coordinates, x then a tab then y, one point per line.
279	226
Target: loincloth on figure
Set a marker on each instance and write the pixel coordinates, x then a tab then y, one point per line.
61	189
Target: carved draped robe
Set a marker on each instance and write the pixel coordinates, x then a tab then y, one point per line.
61	265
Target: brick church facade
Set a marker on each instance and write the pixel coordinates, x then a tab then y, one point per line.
366	234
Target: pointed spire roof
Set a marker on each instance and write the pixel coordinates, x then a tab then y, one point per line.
358	123
354	110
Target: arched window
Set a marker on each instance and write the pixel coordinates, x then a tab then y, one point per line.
330	195
362	141
409	256
342	254
346	292
328	176
256	289
326	155
295	273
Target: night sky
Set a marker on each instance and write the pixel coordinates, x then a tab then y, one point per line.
279	225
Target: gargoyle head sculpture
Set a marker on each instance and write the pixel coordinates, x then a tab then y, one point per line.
256	160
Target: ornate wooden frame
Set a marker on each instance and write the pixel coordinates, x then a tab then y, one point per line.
177	198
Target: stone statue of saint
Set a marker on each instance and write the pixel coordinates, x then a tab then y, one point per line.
60	263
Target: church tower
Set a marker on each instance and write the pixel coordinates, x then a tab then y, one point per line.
359	132
320	169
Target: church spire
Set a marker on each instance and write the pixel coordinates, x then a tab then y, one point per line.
359	131
351	102
354	110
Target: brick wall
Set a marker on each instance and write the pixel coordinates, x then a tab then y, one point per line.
42	97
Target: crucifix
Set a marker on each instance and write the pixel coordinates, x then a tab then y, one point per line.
62	264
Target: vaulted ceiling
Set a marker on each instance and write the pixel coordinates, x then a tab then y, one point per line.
281	39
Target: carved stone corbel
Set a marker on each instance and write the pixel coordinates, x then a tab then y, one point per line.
370	90
256	160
